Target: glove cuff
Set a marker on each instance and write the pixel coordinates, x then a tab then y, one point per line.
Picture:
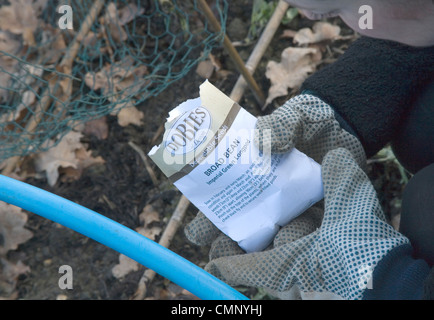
373	85
342	122
398	276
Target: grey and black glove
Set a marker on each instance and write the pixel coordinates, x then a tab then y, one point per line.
309	124
383	92
328	253
304	122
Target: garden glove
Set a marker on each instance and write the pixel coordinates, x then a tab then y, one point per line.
305	122
329	257
383	92
309	124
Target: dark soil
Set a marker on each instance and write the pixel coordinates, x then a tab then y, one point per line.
121	188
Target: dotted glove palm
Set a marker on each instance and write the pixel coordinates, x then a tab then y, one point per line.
309	124
319	257
305	122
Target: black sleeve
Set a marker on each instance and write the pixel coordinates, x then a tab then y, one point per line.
372	86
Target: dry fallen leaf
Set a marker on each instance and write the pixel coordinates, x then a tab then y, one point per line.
98	128
321	31
69	152
125	266
8	278
12	231
149	215
130	115
206	68
113	26
61	155
12	234
117	77
150	232
121	82
52	45
8	44
21	17
295	66
24	87
85	160
115	19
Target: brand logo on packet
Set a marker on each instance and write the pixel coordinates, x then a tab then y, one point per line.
188	132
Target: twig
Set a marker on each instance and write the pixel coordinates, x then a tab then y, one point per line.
260	48
65	64
157	134
84	30
145	161
166	238
233	54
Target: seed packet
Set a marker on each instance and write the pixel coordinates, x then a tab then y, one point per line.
209	154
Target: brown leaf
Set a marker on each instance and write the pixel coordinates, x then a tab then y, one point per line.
121	81
115	19
8	44
288	33
12	231
61	155
20	17
97	128
296	64
85	160
112	25
130	115
149	215
69	152
321	31
129	13
125	266
150	233
53	46
205	69
9	276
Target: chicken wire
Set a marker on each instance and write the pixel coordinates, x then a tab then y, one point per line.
132	50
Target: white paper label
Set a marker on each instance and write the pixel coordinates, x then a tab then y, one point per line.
246	192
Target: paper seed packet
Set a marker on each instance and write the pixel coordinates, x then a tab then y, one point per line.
249	194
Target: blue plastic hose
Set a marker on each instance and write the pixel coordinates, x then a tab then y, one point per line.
118	237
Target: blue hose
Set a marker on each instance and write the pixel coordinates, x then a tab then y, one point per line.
118	237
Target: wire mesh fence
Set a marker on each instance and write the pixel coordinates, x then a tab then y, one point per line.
63	65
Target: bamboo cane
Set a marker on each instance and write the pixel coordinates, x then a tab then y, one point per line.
260	48
166	238
233	53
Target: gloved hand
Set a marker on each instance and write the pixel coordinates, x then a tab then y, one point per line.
333	256
304	122
380	90
309	124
